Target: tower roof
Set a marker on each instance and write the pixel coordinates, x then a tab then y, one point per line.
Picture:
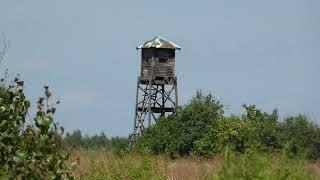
158	42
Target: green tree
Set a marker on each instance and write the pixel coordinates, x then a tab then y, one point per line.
74	139
231	132
177	134
266	127
302	135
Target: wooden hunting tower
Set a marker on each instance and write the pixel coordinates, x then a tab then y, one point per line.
157	93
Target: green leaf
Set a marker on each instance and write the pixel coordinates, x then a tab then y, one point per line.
47	121
27	103
73	165
2	109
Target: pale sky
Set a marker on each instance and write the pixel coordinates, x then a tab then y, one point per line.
263	52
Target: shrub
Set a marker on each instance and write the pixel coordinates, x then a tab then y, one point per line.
177	134
201	128
266	127
13	111
32	152
232	132
302	135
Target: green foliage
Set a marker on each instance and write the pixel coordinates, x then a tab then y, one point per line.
202	129
252	165
13	108
94	142
248	165
302	135
266	127
177	134
232	132
127	165
32	152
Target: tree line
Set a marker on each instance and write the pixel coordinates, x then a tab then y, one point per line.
77	140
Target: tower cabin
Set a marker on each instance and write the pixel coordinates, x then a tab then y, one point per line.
158	61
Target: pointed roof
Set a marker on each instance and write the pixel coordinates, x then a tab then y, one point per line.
158	42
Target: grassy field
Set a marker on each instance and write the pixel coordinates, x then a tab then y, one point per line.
106	165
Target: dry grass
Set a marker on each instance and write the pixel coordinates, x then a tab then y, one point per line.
314	167
192	168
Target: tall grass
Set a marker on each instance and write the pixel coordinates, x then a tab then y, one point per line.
250	165
106	165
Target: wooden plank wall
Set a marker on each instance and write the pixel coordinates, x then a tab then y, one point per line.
161	69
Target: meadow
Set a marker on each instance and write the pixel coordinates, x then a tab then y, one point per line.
102	164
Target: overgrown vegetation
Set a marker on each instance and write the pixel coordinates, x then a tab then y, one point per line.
29	151
202	129
255	145
248	165
106	165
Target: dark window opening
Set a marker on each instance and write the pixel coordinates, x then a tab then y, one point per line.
163	60
159	78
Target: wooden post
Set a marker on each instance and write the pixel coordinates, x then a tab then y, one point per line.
135	111
150	90
176	92
163	100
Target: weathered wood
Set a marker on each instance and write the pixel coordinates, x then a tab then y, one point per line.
176	94
149	95
163	59
135	116
159	80
157	92
157	109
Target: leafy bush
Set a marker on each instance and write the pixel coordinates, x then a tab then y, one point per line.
232	132
266	126
29	151
177	134
13	111
302	135
202	129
